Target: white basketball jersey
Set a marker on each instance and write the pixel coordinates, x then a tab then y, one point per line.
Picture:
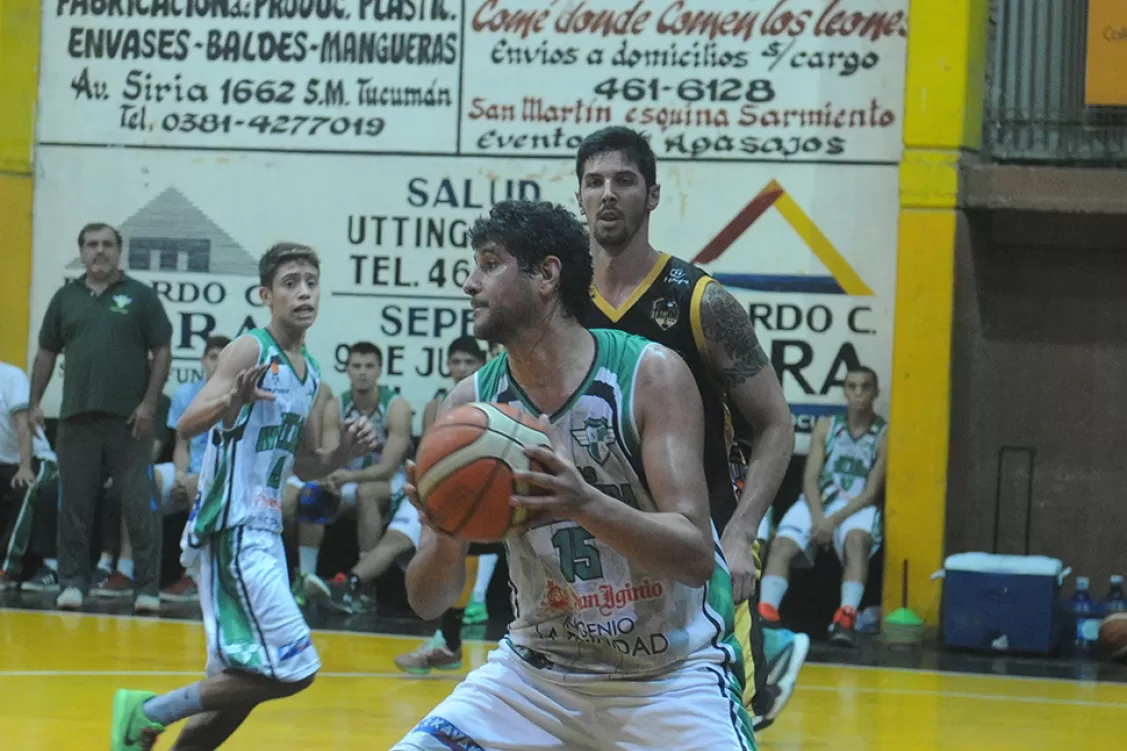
581	607
849	460
245	467
377	418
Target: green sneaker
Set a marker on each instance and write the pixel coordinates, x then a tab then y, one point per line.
475	613
130	729
298	589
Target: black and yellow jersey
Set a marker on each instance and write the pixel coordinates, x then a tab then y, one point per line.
665	308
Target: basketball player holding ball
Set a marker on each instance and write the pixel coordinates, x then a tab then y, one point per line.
642	291
622	635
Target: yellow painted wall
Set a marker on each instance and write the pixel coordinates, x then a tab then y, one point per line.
942	120
19	83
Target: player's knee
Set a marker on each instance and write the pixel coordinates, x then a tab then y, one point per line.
280	689
289	503
298	686
857	544
398	543
373	493
782	550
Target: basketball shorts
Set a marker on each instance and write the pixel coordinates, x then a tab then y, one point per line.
507	705
348	492
797	526
405	521
404	517
249	614
751	643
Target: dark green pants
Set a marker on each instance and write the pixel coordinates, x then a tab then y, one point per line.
89	447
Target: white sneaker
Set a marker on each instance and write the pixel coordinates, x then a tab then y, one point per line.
146	605
70	599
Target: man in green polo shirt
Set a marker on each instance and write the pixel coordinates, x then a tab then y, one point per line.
106	324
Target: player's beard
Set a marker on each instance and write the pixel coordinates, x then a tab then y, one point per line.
621	234
502	323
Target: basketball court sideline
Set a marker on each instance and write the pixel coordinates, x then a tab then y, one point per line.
58	672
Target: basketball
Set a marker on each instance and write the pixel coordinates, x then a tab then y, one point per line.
1113	635
464	469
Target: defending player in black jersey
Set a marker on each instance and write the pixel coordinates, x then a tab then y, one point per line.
655	295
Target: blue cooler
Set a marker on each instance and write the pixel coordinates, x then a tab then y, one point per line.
1001	603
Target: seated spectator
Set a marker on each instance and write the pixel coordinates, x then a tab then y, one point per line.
843	483
354	592
28	486
365	486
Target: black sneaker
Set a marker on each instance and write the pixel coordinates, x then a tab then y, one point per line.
762	704
841	630
344	594
335	595
44	580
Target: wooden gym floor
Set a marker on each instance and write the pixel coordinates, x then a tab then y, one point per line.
58	672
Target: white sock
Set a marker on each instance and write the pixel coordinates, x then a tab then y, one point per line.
125	566
851	594
307	559
772	590
52	563
106	562
174	706
485	566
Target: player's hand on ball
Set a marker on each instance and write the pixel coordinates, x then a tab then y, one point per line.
563	491
358	439
412	492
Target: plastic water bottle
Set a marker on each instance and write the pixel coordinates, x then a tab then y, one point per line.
1116	600
1085	611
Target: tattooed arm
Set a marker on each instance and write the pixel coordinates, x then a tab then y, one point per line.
741	367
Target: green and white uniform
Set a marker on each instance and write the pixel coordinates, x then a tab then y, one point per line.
601	653
402	516
234	531
378	420
844	475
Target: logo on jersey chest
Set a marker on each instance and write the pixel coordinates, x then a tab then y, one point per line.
677	277
666	313
596	436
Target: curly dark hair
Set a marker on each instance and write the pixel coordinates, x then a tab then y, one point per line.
530	231
631	143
